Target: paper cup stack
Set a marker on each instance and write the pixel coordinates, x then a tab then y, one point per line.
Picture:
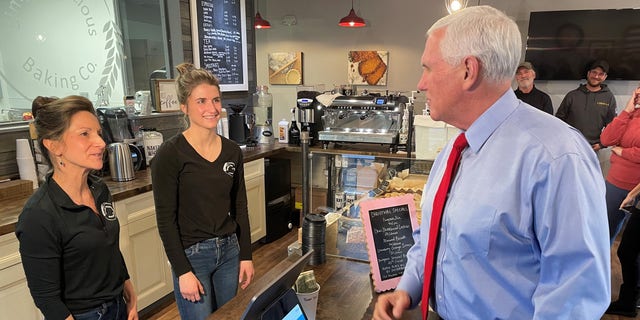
26	164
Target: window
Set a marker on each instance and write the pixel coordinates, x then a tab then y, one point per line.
89	48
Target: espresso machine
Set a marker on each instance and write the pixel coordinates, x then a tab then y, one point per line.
310	113
372	119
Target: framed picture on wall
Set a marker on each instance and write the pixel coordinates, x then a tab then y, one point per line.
285	68
368	67
166	95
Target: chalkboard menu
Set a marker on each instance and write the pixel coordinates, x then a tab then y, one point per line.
219	38
389	224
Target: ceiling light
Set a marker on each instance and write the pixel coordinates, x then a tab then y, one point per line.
352	20
455	5
261	23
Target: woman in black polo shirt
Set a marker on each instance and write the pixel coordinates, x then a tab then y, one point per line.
68	229
201	202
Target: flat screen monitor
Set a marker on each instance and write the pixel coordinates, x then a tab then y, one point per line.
286	307
277	290
562	45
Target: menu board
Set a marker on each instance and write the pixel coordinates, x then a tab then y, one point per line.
389	225
219	37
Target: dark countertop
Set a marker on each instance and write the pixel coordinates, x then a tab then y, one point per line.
10	209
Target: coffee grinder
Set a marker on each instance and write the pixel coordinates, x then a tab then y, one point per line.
241	125
310	113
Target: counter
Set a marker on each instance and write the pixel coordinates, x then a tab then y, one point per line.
346	291
10	209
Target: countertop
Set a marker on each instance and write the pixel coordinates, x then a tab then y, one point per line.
334	301
10	209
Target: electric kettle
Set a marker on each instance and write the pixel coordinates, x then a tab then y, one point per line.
121	161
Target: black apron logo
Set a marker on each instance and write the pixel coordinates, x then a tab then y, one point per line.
108	211
229	168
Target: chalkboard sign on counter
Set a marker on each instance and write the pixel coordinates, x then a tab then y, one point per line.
389	224
219	37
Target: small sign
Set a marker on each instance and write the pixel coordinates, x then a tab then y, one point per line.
389	224
166	95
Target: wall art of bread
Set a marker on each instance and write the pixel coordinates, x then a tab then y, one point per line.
368	67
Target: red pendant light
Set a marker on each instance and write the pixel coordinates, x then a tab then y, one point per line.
352	20
261	23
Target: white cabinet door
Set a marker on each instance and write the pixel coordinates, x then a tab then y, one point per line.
254	182
256	205
15	299
143	251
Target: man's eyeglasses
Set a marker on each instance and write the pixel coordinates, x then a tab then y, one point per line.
597	73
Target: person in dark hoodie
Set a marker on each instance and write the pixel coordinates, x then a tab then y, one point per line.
591	106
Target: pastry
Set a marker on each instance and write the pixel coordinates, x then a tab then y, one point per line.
375	76
357	56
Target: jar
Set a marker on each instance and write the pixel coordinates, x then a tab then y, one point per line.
262	105
262	110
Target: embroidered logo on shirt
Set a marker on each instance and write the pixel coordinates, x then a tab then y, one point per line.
229	168
601	103
107	211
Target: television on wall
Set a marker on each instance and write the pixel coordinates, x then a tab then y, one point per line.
561	45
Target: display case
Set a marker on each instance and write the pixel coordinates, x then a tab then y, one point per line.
351	179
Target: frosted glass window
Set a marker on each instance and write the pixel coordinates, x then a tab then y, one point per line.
59	48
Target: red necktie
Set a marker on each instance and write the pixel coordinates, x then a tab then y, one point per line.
436	215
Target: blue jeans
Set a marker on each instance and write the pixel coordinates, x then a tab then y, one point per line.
616	216
115	309
216	264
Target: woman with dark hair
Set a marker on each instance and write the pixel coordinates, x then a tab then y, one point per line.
68	230
201	202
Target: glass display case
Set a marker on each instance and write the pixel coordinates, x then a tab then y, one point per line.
347	180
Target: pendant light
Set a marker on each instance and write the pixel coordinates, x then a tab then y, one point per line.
260	23
455	5
352	20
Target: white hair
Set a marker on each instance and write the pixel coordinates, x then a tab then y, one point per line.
485	33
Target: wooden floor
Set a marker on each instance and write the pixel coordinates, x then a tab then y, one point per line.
266	256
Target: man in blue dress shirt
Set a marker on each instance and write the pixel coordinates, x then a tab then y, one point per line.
524	231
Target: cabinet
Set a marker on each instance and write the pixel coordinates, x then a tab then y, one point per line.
254	182
14	293
142	249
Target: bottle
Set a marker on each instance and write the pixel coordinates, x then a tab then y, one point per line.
294	132
283	131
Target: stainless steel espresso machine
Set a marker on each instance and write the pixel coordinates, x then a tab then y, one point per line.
310	113
372	119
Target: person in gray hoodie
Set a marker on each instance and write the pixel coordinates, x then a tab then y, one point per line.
591	106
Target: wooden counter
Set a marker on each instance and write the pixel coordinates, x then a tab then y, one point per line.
346	291
10	209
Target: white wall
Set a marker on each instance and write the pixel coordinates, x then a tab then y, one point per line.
395	26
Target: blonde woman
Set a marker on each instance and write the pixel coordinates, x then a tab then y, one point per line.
201	203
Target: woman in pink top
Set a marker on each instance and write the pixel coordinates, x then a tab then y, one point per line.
623	133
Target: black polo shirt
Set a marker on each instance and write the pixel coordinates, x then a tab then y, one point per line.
70	255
